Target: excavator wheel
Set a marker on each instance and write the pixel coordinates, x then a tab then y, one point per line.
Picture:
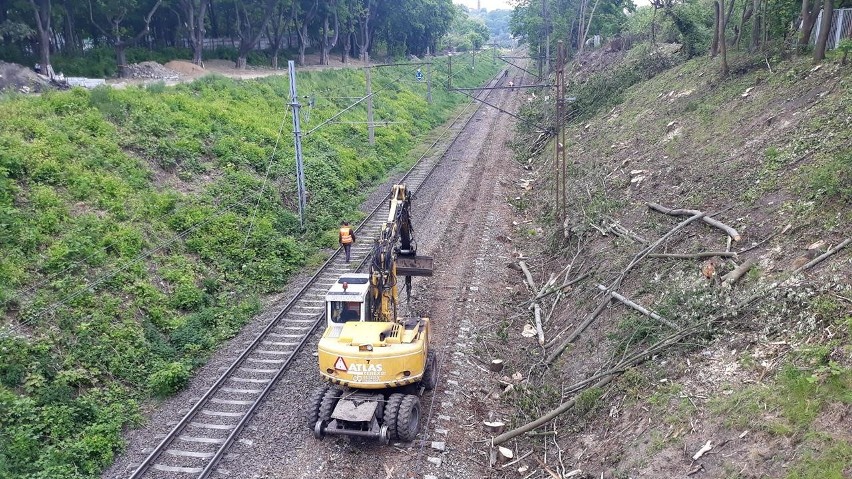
329	401
408	418
391	414
314	402
430	374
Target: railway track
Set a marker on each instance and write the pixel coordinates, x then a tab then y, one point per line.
196	444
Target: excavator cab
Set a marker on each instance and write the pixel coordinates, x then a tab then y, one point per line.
374	361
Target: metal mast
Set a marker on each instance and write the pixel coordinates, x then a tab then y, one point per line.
297	141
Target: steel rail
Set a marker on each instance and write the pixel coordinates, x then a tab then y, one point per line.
145	466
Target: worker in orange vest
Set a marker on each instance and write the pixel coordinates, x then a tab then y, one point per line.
346	238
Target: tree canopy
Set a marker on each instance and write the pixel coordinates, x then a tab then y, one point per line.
63	32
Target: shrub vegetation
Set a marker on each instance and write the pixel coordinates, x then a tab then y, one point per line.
140	227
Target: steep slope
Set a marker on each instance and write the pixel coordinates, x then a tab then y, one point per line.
764	371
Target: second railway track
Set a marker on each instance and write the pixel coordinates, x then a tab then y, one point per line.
196	444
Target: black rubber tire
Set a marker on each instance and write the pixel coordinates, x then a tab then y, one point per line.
380	409
329	401
392	413
408	418
314	401
430	373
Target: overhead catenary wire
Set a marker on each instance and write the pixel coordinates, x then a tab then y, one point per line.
265	179
353	105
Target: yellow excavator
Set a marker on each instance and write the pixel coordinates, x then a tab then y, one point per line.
374	361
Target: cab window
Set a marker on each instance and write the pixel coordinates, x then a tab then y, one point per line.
344	311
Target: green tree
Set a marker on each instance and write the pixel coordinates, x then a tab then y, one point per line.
118	19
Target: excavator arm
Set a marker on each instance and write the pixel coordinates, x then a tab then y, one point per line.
395	254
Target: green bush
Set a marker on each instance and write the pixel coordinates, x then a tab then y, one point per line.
168	378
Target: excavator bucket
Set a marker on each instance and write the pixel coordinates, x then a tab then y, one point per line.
414	265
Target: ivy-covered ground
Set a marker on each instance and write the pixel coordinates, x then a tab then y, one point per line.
139	228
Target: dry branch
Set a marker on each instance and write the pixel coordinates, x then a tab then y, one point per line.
528	275
639	308
707	219
538	328
768	238
705	254
605	377
615	284
823	256
738	272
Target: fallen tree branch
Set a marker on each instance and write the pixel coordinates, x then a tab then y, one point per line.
649	352
615	284
538	327
635	359
768	238
707	219
705	254
823	256
738	272
582	327
616	229
560	288
528	275
638	307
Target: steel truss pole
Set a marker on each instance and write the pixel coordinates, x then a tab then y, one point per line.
297	140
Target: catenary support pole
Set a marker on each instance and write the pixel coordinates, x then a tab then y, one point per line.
449	71
429	77
297	139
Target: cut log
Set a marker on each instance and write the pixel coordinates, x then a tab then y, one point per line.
538	327
821	257
738	272
501	455
494	427
528	275
705	254
496	365
710	221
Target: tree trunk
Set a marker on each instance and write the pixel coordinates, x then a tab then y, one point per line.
303	43
121	59
717	16
329	43
808	17
241	62
723	49
824	30
71	42
324	42
42	13
748	10
756	26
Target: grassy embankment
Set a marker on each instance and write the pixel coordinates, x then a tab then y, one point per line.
138	232
774	147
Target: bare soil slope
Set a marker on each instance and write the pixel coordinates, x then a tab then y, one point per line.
766	388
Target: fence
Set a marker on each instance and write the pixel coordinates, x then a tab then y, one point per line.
262	44
841	27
